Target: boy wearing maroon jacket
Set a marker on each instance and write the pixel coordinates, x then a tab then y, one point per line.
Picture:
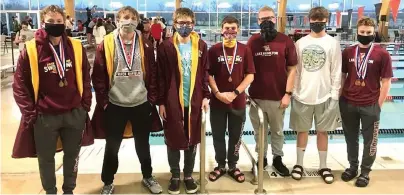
366	80
52	89
275	60
231	71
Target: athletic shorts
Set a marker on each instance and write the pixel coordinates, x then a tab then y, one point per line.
301	117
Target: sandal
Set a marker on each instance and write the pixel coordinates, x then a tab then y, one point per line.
297	169
349	174
232	173
214	173
326	175
362	181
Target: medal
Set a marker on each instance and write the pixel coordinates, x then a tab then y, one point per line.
61	83
60	63
128	55
226	60
362	66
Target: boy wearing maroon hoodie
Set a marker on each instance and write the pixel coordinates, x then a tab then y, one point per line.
52	88
231	70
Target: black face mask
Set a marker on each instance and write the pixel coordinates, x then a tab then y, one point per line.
55	30
317	26
268	31
365	40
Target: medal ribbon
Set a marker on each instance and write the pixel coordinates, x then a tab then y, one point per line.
60	62
128	58
225	58
361	67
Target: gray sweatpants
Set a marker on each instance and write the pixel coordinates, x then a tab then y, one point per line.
47	129
352	116
234	121
273	117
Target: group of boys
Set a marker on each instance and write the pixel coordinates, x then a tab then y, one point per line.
52	88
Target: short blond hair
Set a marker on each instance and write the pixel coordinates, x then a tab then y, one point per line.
183	12
266	8
52	8
366	21
127	8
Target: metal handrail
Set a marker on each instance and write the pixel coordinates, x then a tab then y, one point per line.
261	146
202	153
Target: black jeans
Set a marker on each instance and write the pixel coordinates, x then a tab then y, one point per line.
352	116
116	120
220	119
47	129
174	156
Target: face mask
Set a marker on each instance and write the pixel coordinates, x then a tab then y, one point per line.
128	26
55	30
230	34
365	40
317	27
109	22
184	31
268	31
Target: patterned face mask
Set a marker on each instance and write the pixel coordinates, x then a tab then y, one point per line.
128	26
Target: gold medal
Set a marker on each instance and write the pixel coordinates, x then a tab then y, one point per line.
357	83
65	82
230	80
61	84
363	84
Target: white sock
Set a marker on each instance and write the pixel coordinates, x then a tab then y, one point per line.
323	159
323	164
299	161
300	155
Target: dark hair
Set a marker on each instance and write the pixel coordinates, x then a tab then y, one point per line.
318	13
24	23
99	22
229	19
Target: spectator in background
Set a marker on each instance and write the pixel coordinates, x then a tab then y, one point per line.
16	24
25	34
89	31
30	23
156	32
80	26
69	26
109	27
99	32
146	30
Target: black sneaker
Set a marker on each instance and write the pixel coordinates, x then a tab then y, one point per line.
68	192
279	167
349	174
265	163
174	187
190	186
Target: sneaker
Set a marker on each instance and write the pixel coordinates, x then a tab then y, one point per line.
68	192
190	186
174	187
279	167
265	163
108	189
153	185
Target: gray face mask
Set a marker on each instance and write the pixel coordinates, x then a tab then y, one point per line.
128	26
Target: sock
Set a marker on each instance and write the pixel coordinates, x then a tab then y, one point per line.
300	155
323	159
